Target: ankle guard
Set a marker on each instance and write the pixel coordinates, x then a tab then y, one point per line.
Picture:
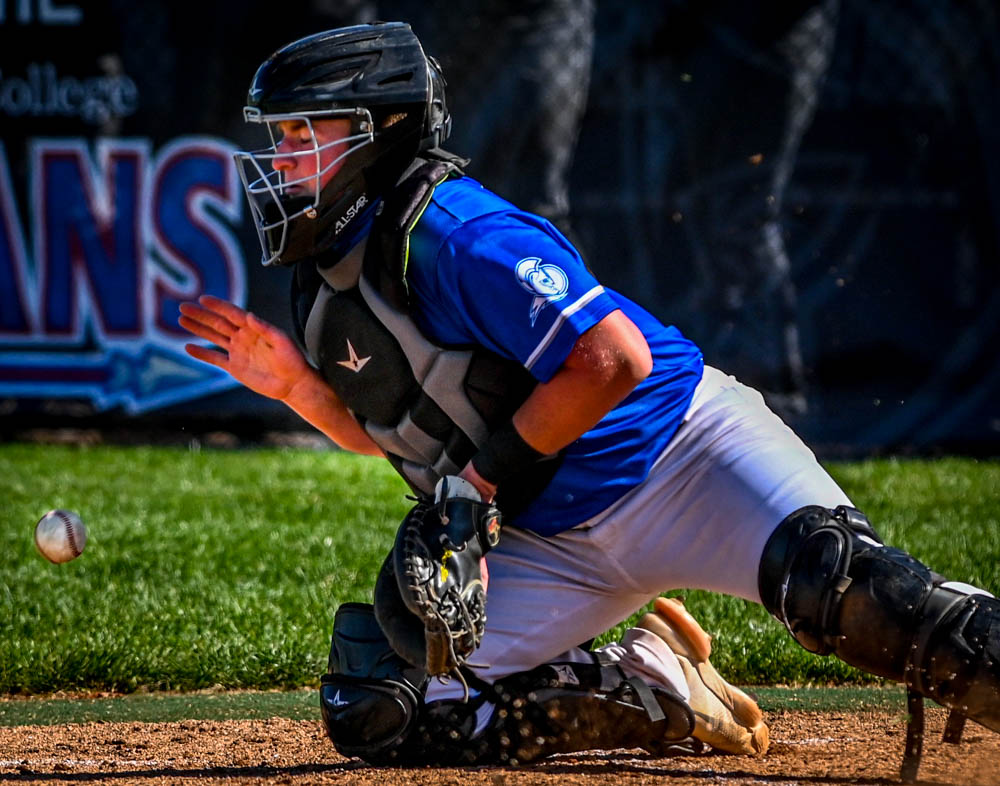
370	698
827	576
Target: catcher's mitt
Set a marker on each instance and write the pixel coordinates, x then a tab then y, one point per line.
436	562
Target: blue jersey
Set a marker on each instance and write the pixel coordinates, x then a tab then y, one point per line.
483	272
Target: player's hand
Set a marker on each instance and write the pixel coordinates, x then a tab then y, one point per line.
256	353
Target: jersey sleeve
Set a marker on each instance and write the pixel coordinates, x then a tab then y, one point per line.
516	286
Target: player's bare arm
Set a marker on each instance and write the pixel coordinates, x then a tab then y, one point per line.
263	358
604	366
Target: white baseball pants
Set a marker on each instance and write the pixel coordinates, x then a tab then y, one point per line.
729	477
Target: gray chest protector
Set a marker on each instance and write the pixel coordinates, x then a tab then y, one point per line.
429	407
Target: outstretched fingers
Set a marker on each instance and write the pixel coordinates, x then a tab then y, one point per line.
196	324
218	321
223	308
271	334
213	356
245	338
214	320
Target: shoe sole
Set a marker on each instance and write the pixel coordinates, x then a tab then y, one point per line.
675	625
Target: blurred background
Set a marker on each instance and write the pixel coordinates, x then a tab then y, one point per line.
809	190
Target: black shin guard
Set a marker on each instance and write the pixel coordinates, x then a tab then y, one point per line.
371	698
556	708
373	708
569	707
826	575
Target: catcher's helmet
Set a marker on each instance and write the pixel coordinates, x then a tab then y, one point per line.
378	77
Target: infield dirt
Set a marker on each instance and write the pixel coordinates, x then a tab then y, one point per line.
806	748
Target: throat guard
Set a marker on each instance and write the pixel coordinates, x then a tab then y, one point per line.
429	407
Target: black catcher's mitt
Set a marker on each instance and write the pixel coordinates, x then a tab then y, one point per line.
436	564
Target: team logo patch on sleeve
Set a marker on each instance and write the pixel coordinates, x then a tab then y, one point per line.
547	282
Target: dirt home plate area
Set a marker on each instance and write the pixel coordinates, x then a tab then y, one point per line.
807	748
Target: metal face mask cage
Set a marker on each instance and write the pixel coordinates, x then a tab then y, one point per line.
273	200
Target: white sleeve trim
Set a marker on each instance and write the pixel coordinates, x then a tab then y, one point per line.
564	314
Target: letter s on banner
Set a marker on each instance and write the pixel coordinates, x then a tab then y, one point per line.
196	199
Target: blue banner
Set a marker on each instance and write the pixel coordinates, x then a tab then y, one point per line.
810	190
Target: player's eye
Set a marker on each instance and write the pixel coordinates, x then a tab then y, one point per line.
298	135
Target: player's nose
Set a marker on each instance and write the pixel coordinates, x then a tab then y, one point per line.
283	160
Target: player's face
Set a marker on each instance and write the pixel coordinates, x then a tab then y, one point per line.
307	148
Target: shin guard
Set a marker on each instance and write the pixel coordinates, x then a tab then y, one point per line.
371	698
373	708
569	707
555	708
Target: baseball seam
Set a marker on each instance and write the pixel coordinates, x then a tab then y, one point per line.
67	522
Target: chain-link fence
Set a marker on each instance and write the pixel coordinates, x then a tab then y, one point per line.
810	190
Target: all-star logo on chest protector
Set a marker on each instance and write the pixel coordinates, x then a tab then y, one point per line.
353	362
547	282
429	407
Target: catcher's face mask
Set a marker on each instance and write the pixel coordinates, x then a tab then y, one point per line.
292	180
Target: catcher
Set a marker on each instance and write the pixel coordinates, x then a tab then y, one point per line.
551	430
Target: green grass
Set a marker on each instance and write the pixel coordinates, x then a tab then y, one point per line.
303	704
222	569
201	569
300	704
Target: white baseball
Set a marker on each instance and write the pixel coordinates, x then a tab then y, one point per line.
60	536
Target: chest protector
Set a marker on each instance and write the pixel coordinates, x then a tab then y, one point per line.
429	407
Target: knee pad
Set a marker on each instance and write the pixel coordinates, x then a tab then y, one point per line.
807	571
371	698
827	576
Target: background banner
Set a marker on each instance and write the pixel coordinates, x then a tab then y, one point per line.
810	190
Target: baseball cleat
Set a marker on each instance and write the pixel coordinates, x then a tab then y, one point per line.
725	717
